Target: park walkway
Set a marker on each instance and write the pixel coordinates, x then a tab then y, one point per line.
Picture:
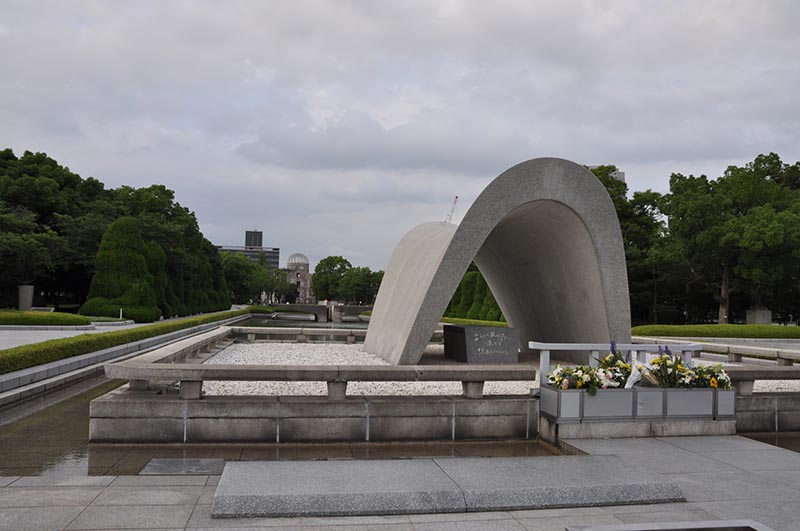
722	478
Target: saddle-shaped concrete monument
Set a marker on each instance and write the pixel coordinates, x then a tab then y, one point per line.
546	238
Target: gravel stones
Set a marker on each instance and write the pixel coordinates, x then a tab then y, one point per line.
330	354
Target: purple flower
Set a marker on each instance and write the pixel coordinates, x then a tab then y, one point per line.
613	347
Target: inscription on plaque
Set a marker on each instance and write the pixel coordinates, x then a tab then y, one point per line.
481	344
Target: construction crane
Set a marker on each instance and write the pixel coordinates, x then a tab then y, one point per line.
452	210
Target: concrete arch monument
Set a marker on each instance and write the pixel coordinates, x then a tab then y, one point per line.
546	238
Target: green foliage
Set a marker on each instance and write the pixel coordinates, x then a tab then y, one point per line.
489	309
42	319
327	275
641	228
52	222
157	265
336	279
473	299
356	286
25	356
244	279
123	280
718	330
457	321
478	295
467	293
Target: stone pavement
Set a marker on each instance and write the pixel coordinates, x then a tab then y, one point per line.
722	478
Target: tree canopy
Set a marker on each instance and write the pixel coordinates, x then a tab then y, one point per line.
52	222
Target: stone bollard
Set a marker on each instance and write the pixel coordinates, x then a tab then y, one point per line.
138	385
472	389
191	389
337	390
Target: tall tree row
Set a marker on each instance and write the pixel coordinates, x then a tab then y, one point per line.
52	222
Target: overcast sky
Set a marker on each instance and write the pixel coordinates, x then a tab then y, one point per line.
335	127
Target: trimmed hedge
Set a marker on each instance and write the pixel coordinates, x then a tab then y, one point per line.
719	330
42	319
24	356
457	321
123	281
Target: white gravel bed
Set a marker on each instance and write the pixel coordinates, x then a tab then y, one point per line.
342	354
330	354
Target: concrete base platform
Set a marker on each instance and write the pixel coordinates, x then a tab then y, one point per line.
554	432
380	487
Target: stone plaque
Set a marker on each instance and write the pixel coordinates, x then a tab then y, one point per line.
481	344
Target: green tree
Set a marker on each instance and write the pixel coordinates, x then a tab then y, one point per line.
327	275
730	229
242	278
641	227
123	279
376	277
467	293
478	295
356	285
157	265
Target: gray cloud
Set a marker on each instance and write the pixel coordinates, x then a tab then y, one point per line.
337	126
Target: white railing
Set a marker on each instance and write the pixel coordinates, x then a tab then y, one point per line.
594	350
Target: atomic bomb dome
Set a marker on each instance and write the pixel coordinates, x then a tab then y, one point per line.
297	259
298	273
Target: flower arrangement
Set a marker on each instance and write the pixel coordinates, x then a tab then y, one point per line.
668	370
711	376
615	368
614	371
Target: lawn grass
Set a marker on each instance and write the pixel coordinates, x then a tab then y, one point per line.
14	317
24	356
458	321
719	330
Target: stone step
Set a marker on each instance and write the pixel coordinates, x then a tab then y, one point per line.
443	485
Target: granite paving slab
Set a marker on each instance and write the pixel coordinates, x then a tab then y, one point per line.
713	443
166	481
149	495
558	481
48	496
736	486
759	460
471	525
775	514
443	485
37	518
7	480
189	467
334	488
138	516
63	481
719	525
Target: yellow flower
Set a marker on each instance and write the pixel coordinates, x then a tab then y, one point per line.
713	383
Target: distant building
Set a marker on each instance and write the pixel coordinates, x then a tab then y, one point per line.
616	174
254	249
253	238
298	274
